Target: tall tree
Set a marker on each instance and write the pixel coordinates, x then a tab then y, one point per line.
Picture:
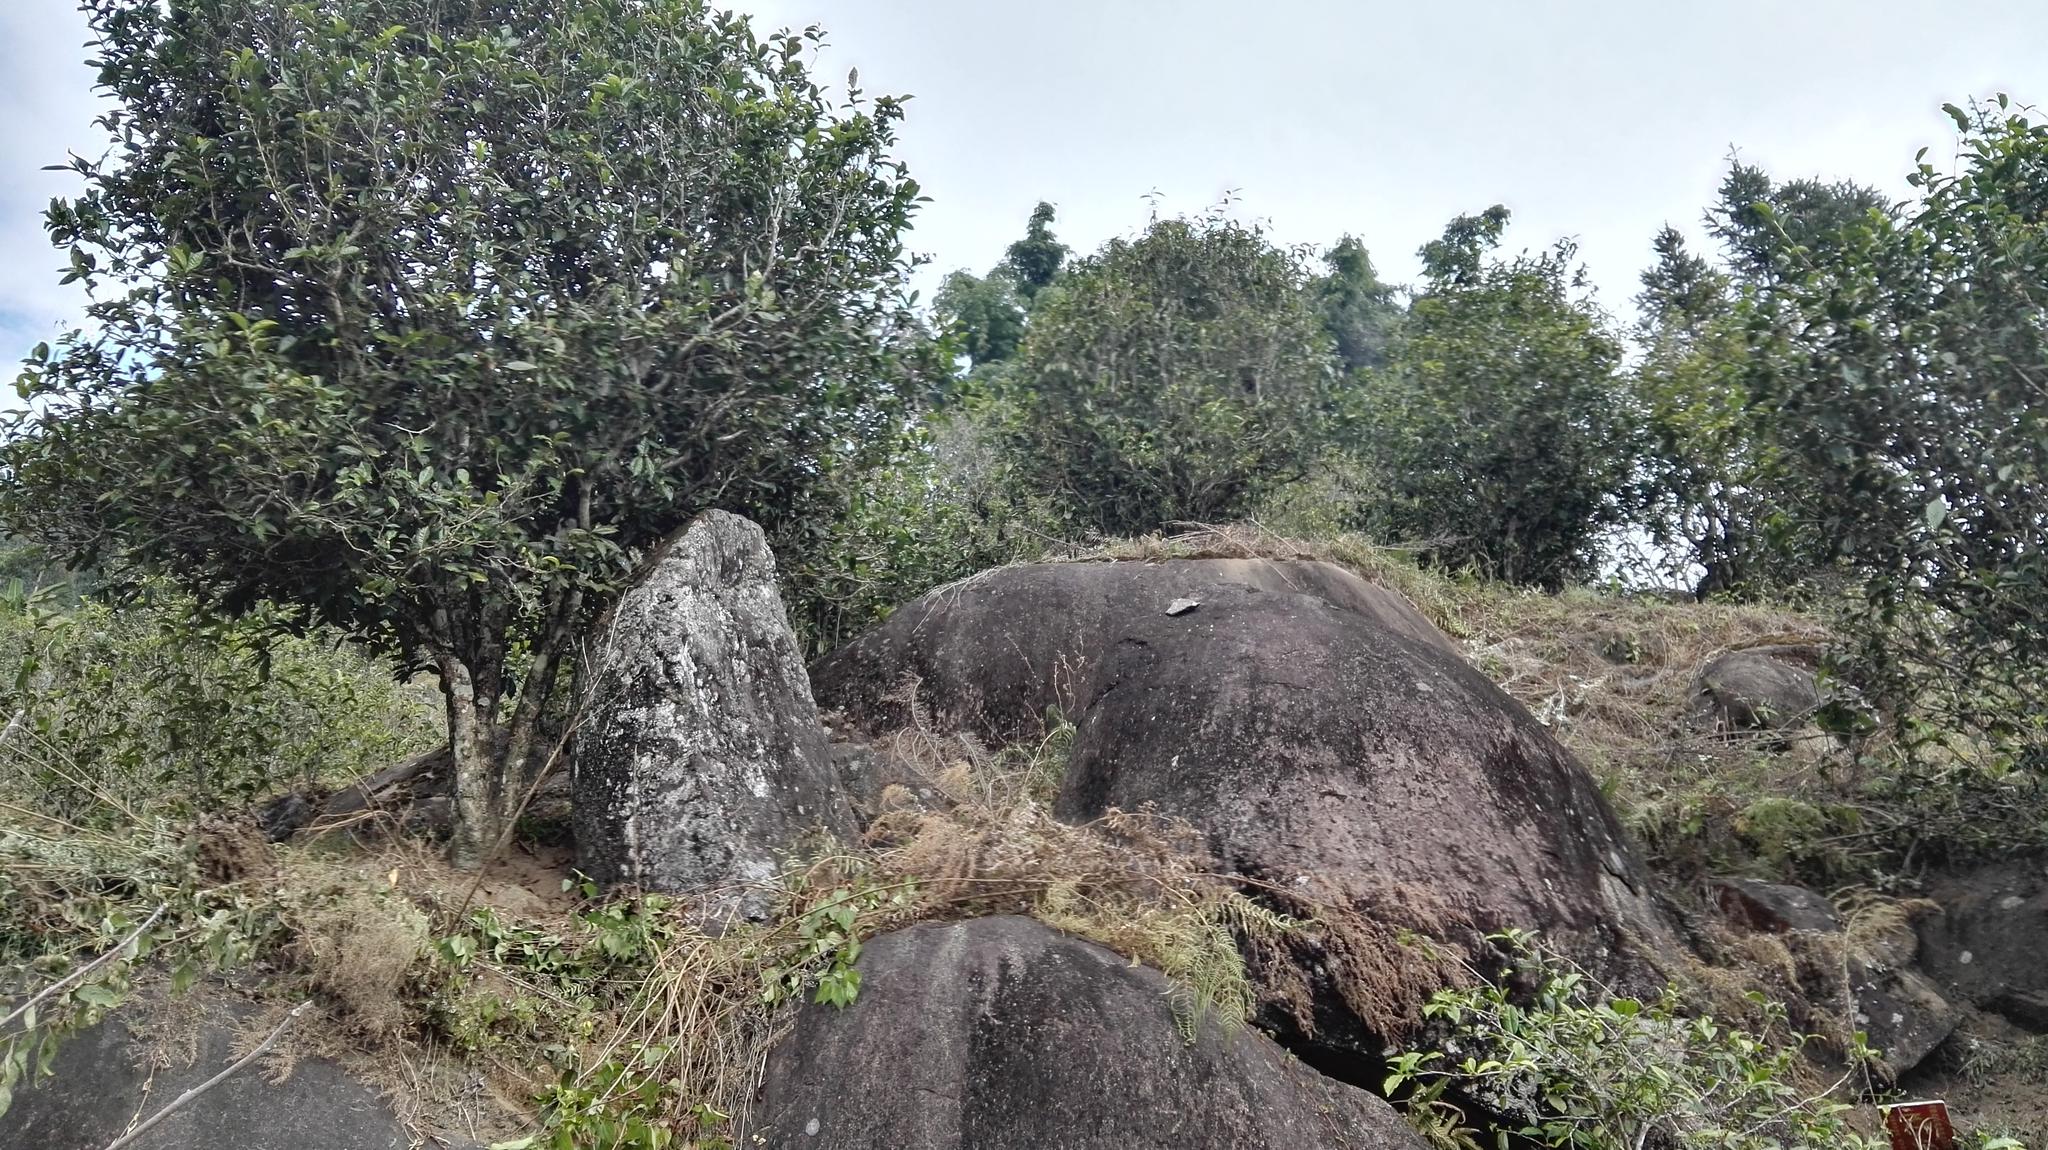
1505	436
1762	223
983	314
432	315
1721	510
1459	255
1908	370
1358	310
1682	293
1173	377
1034	261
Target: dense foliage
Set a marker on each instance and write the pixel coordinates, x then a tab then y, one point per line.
1584	1068
1172	377
1908	373
430	318
1720	504
155	709
1502	430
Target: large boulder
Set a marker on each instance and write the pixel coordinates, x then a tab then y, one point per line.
1329	742
1987	942
702	763
113	1075
1371	778
1001	1034
991	653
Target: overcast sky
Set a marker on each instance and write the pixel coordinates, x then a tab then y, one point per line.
1596	121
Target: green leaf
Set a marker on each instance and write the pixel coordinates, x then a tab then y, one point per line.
1936	511
97	994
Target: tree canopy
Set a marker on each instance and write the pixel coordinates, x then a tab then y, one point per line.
1173	377
432	316
1502	433
1907	367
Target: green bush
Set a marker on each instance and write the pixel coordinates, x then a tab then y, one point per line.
1501	429
945	508
1906	362
1174	377
1575	1065
115	715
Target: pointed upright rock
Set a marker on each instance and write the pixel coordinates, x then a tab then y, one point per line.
702	763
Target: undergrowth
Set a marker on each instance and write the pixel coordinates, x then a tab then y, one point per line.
631	1023
115	714
1570	1064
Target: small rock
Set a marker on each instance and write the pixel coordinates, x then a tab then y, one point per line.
1758	689
282	816
1773	908
1907	1017
1182	606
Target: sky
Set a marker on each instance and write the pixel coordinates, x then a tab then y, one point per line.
1593	121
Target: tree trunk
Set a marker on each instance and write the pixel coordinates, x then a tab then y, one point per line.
497	765
473	748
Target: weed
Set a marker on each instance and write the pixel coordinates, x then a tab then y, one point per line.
1571	1064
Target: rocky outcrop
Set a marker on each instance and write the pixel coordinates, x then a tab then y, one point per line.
111	1076
1871	979
1987	943
702	763
991	653
1758	689
1371	777
1001	1034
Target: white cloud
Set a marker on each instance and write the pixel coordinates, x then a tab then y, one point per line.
46	111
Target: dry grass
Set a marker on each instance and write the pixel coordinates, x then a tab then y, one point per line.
357	947
685	1010
1137	883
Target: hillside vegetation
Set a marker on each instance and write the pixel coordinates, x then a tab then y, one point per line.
417	328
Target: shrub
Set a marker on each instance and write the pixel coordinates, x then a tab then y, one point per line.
1173	377
1501	430
431	318
118	715
1905	359
945	508
1571	1064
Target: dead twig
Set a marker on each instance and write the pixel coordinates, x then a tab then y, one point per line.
185	1098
